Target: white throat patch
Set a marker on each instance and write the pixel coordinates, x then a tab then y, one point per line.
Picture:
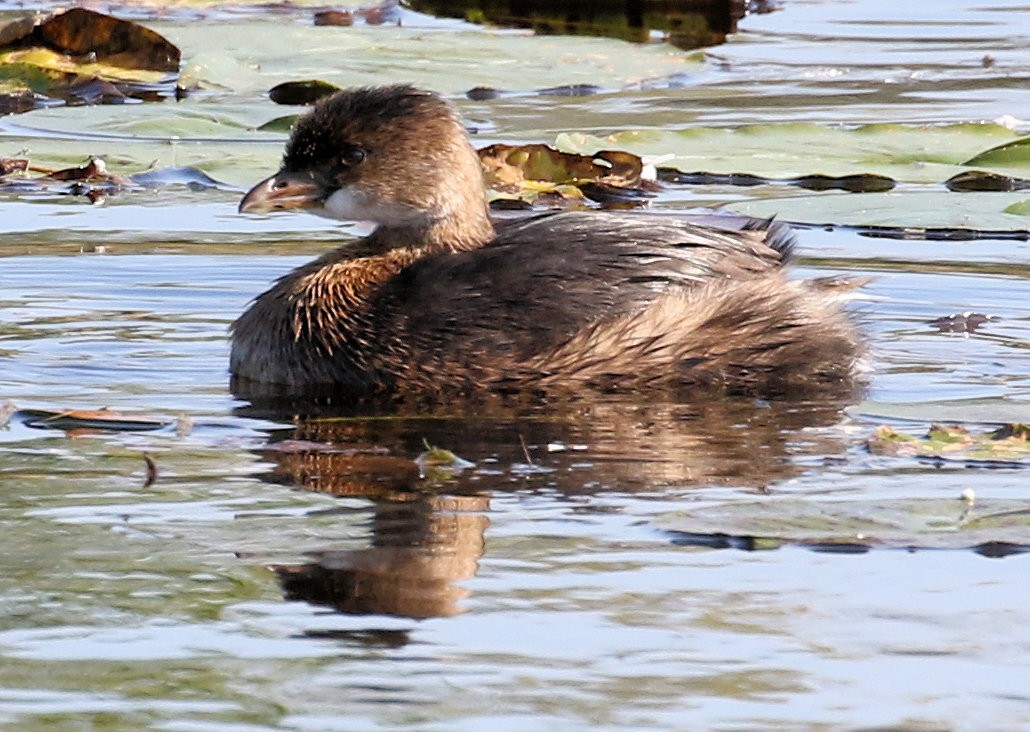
346	205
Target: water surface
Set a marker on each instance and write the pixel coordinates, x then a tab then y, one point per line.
260	585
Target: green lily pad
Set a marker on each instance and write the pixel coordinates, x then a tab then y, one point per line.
933	523
1016	152
1009	444
1019	208
909	209
906	153
279	124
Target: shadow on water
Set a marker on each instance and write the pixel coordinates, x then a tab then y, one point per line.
686	24
428	525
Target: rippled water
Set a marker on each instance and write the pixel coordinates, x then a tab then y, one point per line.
259	585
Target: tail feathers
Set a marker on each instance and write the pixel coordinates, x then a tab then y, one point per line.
768	335
779	236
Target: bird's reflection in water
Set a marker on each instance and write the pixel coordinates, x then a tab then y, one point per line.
429	533
421	548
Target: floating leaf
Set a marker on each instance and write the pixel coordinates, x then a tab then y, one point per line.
79	419
1016	152
439	464
13	165
909	153
301	92
93	180
1007	445
84	57
334	17
1019	208
865	183
979	180
992	526
95	171
279	124
81	32
531	172
961	322
941	210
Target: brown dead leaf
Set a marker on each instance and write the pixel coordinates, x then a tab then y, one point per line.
82	32
94	171
301	92
541	174
86	419
334	17
514	164
151	471
13	165
83	57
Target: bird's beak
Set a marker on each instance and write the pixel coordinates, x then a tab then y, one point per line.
282	191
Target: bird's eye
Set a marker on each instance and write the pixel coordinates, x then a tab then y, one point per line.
352	156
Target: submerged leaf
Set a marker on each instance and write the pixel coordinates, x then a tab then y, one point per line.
440	464
993	527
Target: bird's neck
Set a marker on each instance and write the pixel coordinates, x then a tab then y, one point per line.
456	228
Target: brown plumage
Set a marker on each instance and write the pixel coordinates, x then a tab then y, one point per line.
436	300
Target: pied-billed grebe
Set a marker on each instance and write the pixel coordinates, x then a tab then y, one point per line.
438	300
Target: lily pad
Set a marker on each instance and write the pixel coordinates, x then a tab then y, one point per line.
1019	208
81	56
92	179
908	209
301	92
904	153
861	183
979	180
122	43
528	172
1016	152
1009	444
999	526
